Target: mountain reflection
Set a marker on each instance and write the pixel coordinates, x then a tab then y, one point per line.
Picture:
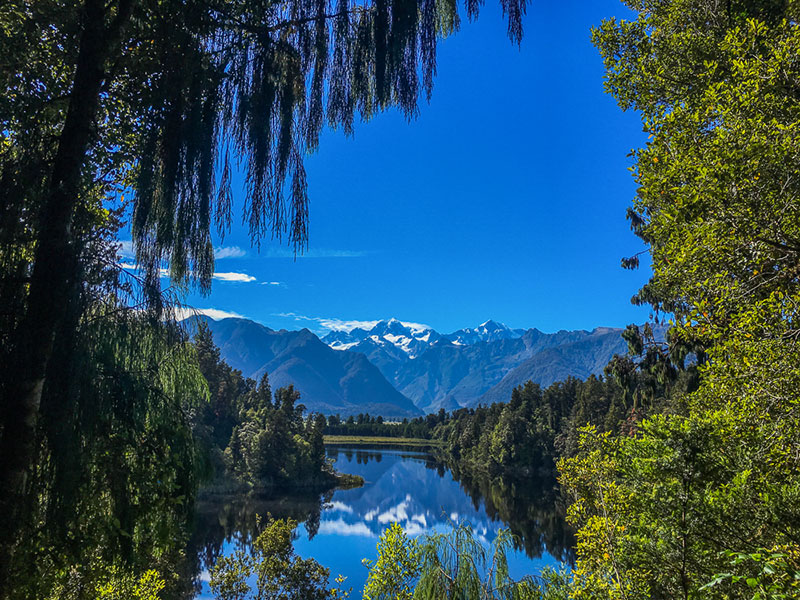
411	488
425	495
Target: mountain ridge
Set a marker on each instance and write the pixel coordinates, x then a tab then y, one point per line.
408	369
329	381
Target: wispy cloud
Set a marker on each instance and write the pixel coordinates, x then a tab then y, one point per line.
274	283
229	252
340	527
330	324
333	324
340	325
135	267
340	506
237	277
125	250
184	312
220	276
312	253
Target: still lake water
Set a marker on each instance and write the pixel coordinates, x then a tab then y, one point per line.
404	486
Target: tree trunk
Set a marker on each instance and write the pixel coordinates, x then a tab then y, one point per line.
51	279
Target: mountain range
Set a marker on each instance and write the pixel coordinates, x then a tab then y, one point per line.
329	381
399	369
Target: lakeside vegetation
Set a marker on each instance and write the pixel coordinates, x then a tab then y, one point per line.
252	438
133	113
356	440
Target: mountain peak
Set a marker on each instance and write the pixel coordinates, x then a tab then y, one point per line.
488	331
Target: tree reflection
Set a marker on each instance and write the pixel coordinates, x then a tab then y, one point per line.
533	509
235	520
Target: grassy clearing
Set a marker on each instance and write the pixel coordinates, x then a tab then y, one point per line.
363	440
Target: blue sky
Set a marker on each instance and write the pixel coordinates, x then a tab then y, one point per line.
505	199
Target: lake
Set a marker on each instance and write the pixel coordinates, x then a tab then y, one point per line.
409	487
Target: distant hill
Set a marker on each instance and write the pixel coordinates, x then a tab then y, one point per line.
329	381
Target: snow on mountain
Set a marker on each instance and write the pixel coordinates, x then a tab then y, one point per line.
344	340
329	382
389	335
489	331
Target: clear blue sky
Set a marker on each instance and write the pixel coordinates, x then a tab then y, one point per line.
505	199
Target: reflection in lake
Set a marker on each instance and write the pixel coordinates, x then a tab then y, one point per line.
401	485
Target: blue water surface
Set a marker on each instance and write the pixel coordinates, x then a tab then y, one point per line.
410	488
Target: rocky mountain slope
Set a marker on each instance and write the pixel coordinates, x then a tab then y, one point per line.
329	381
399	369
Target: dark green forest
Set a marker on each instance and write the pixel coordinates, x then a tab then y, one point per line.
680	466
251	438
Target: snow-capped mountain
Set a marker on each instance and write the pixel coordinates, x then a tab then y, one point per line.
400	340
412	339
344	340
489	331
393	368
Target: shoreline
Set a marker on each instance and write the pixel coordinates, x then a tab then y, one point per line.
363	440
227	486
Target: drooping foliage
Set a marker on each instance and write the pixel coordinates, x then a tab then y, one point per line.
116	459
274	567
454	565
192	90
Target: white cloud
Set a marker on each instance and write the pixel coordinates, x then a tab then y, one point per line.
339	325
234	277
184	312
237	277
330	324
340	527
396	513
275	283
371	514
229	252
125	249
135	267
340	506
414	529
